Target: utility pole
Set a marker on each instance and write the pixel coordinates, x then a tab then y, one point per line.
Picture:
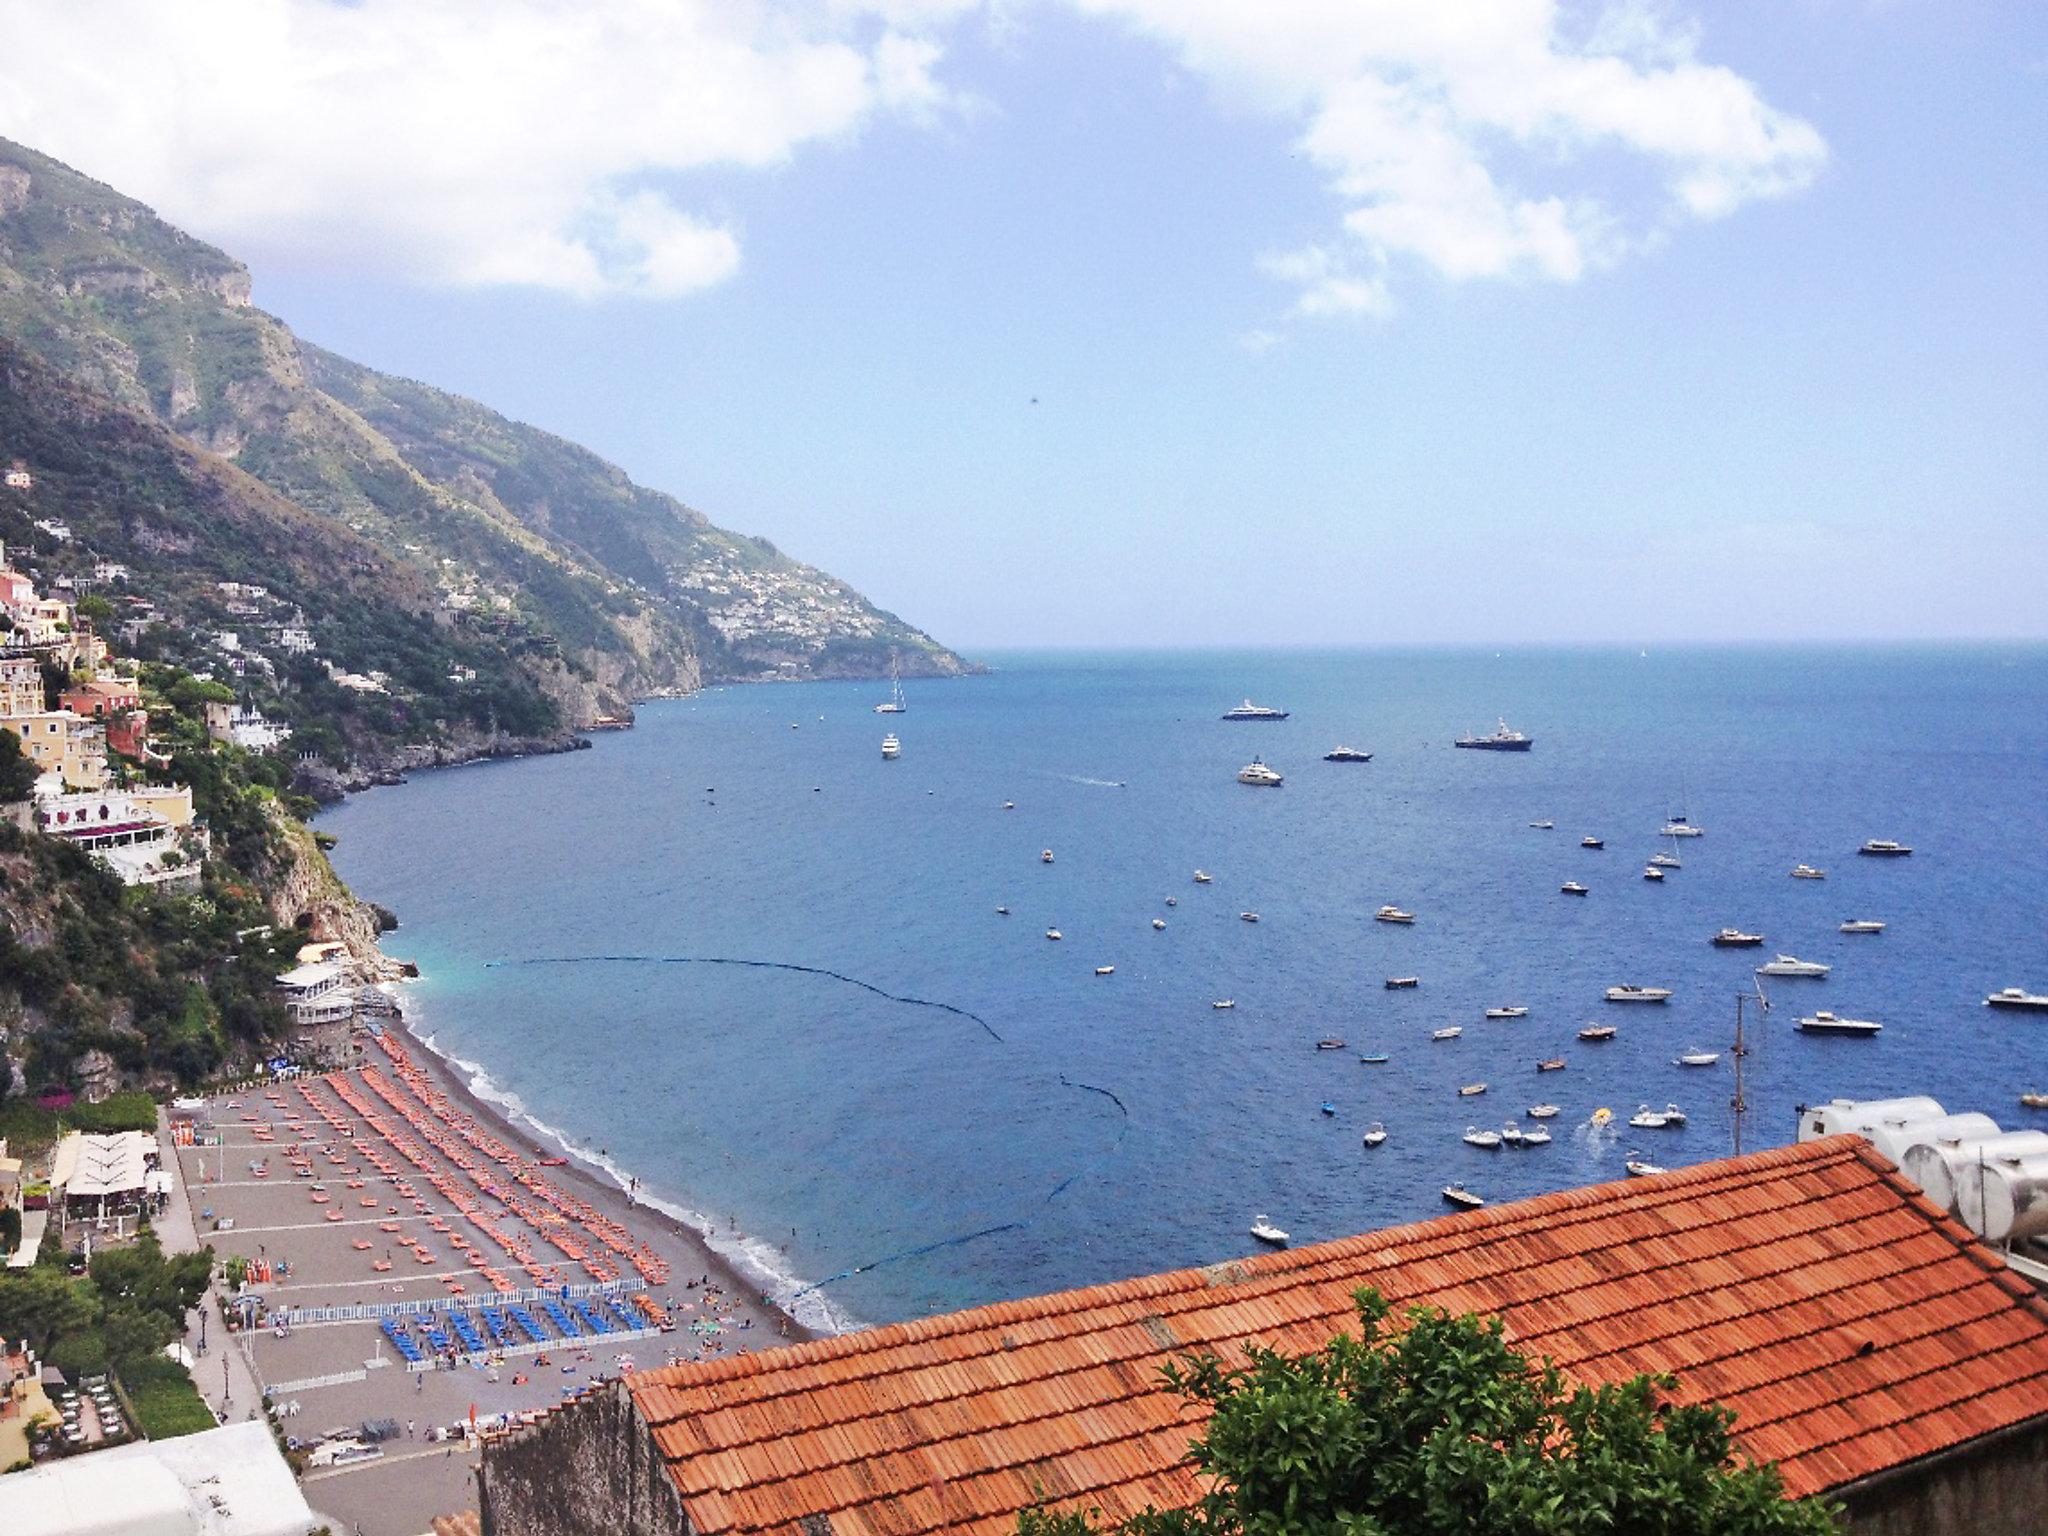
1740	1103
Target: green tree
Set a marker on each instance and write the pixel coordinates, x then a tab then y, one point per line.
1438	1428
17	770
42	1304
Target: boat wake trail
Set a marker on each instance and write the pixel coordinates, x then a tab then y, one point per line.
759	965
1079	778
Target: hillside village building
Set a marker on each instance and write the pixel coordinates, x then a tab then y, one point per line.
21	686
1867	1343
62	743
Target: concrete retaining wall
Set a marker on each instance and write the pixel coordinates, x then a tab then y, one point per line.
587	1467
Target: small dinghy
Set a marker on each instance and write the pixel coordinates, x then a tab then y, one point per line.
1105	970
1573	888
1224	1002
1474	1137
1471	1090
1264	1230
1054	934
1652	872
1462	1197
1202	877
1648	1119
1330	1045
1516	1012
1550	1064
1544	826
1393	914
1159	922
1511	1135
1374	1134
1002	911
1173	901
1248	917
1396	983
1535	1136
1449	1032
1697	1058
1591	842
1542	1111
1329	1108
1639	1167
1045	855
1373	1061
1597	1032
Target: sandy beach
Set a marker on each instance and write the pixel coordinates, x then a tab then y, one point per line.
289	1177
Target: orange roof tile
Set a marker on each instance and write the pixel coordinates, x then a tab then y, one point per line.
1850	1324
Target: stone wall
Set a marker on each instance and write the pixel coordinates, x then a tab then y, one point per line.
588	1466
1994	1487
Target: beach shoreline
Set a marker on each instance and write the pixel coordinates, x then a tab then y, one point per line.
598	1184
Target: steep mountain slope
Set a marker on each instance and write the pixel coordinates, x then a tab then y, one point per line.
638	593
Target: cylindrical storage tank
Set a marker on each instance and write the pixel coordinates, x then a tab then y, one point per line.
1938	1167
2009	1202
1893	1136
1839	1115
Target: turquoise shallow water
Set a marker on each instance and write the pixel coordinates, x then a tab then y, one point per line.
885	1156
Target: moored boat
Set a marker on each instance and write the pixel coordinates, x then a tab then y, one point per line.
1543	1111
1823	1023
1535	1136
1808	872
1248	917
1696	1058
1792	965
1471	1090
1374	1134
1678	826
1375	1059
2017	998
1257	773
1459	1195
1592	842
1203	877
1448	1032
1266	1232
891	747
1735	938
1550	1064
1053	934
1884	848
1543	826
1397	983
1572	888
1648	1119
1250	711
1640	1167
1393	914
1105	970
1224	1002
1474	1137
1597	1032
1331	1044
1516	1011
1652	872
1158	922
1862	925
1501	740
1629	993
1346	755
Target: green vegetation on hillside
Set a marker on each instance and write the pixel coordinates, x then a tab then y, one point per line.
1438	1427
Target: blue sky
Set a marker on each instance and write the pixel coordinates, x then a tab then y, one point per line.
1740	336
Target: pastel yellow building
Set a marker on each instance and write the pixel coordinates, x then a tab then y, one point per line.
21	686
59	742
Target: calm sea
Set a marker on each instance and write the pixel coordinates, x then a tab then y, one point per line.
905	1102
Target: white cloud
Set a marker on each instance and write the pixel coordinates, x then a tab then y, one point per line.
458	141
1488	138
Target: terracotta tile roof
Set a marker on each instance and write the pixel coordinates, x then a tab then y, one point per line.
1850	1324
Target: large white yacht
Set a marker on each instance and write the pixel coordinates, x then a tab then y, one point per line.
1791	965
1250	711
2017	998
1256	772
1502	739
1828	1024
1627	993
1678	826
1884	848
891	747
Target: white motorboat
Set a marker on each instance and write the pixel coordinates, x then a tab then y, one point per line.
1256	772
1862	925
1511	1135
1391	914
891	747
1639	1167
1002	911
1009	805
1471	1090
1665	861
2018	999
1346	755
1250	711
1460	1196
1402	983
1597	1032
1105	970
1678	826
1054	934
1375	1134
1045	855
1823	1023
1697	1058
1884	848
1627	993
1792	965
1515	1012
1173	901
1735	938
1808	872
1544	826
1542	1111
1203	877
1673	1115
1535	1136
1474	1137
1648	1119
1449	1032
1592	842
1248	917
1652	872
1224	1002
1550	1064
1264	1230
1158	922
1572	888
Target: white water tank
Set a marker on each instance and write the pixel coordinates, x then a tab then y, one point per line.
1940	1166
1839	1115
1895	1137
2009	1201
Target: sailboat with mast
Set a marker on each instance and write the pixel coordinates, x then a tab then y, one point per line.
894	704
